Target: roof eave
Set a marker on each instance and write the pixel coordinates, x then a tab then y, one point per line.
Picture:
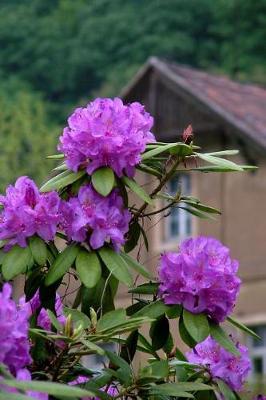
166	72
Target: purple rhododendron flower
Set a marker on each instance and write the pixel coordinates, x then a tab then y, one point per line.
232	369
43	320
27	212
201	276
260	397
94	218
15	347
106	133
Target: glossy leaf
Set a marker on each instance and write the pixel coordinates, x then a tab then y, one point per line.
146	288
184	334
138	190
116	265
78	317
55	389
220	162
88	268
111	319
174	389
136	266
54	321
129	348
15	262
62	264
62	180
160	149
159	332
197	325
225	390
243	327
222	338
38	250
152	310
133	237
103	180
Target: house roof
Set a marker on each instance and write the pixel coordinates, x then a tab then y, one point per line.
243	106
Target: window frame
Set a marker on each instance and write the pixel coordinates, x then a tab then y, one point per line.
184	218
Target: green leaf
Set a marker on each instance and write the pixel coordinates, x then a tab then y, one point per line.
152	310
174	311
13	396
32	283
200	206
62	264
92	346
158	369
174	389
38	250
61	167
103	180
225	390
158	150
222	338
146	288
111	319
243	327
118	361
137	189
56	156
132	237
54	321
62	180
140	269
159	332
15	262
197	213
78	317
55	389
129	348
215	168
223	153
116	265
89	268
181	150
197	325
185	336
220	162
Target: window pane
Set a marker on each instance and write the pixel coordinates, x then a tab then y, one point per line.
260	330
179	221
258	365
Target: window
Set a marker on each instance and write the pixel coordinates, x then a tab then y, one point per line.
178	224
257	350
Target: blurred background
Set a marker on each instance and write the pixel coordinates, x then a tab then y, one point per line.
56	54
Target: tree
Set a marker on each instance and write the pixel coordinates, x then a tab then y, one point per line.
25	132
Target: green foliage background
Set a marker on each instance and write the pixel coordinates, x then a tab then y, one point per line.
68	51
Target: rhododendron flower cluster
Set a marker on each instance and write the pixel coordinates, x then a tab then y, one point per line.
27	212
220	363
201	276
43	320
106	133
94	218
15	346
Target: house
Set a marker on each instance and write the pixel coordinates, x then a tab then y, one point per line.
224	115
